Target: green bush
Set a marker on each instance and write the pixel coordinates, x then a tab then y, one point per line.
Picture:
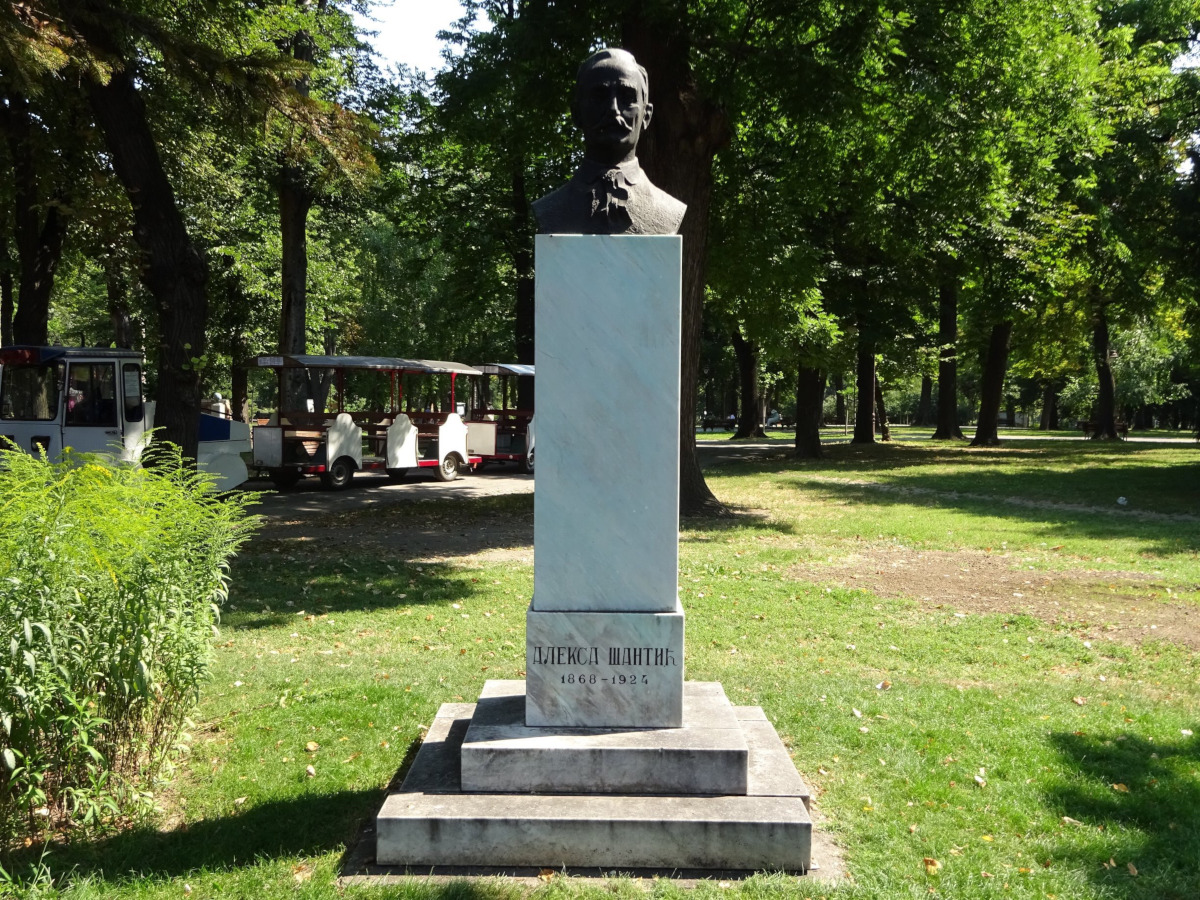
111	577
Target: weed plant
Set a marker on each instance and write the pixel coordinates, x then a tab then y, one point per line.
110	580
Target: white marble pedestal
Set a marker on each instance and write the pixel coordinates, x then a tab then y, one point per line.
604	757
605	628
604	669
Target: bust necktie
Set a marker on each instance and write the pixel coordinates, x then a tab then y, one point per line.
609	197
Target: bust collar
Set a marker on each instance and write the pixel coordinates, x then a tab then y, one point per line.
590	171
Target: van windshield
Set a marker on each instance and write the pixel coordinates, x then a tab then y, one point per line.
30	392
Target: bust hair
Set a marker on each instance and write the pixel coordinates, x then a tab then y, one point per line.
615	53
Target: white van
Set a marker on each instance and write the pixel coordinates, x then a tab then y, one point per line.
90	399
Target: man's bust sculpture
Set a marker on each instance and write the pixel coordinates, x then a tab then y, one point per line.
609	193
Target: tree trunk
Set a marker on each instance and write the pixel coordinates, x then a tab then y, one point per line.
925	406
810	401
992	386
1049	417
677	153
885	428
839	400
319	381
947	405
118	305
295	201
175	271
239	388
1104	428
524	317
749	424
39	240
864	419
6	295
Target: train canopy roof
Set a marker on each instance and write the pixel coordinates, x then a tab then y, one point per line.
31	355
376	363
505	369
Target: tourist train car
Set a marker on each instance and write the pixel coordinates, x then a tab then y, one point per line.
294	442
498	432
90	400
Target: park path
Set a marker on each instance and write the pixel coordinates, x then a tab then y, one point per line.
309	501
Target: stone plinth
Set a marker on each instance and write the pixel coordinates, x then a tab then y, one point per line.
604	669
433	821
606	509
708	755
604	757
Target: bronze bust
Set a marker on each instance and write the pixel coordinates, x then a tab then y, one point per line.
609	193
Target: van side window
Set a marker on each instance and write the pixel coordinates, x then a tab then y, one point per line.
92	395
30	392
131	380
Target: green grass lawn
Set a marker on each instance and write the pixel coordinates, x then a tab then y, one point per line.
1030	753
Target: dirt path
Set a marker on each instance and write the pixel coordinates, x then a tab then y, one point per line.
1126	606
410	519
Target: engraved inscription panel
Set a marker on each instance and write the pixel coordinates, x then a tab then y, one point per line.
604	669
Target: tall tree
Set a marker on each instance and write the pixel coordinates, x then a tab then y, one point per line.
688	129
325	147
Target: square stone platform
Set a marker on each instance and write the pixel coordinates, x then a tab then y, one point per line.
433	820
707	755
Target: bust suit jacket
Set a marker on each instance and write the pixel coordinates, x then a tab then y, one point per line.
587	205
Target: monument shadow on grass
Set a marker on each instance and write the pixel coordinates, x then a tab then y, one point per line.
302	826
440	584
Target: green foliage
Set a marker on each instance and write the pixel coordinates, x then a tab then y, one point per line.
1147	357
111	578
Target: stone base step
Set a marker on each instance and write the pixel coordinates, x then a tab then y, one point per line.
432	821
707	755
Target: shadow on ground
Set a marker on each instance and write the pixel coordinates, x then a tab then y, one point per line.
417	529
1145	795
270	589
303	826
1030	484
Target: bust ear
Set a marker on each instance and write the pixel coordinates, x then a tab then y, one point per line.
647	114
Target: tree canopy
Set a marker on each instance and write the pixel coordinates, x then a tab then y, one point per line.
1008	186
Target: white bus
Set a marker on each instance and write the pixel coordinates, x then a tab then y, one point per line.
90	400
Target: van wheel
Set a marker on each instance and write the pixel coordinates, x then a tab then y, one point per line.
448	470
338	475
527	463
284	479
